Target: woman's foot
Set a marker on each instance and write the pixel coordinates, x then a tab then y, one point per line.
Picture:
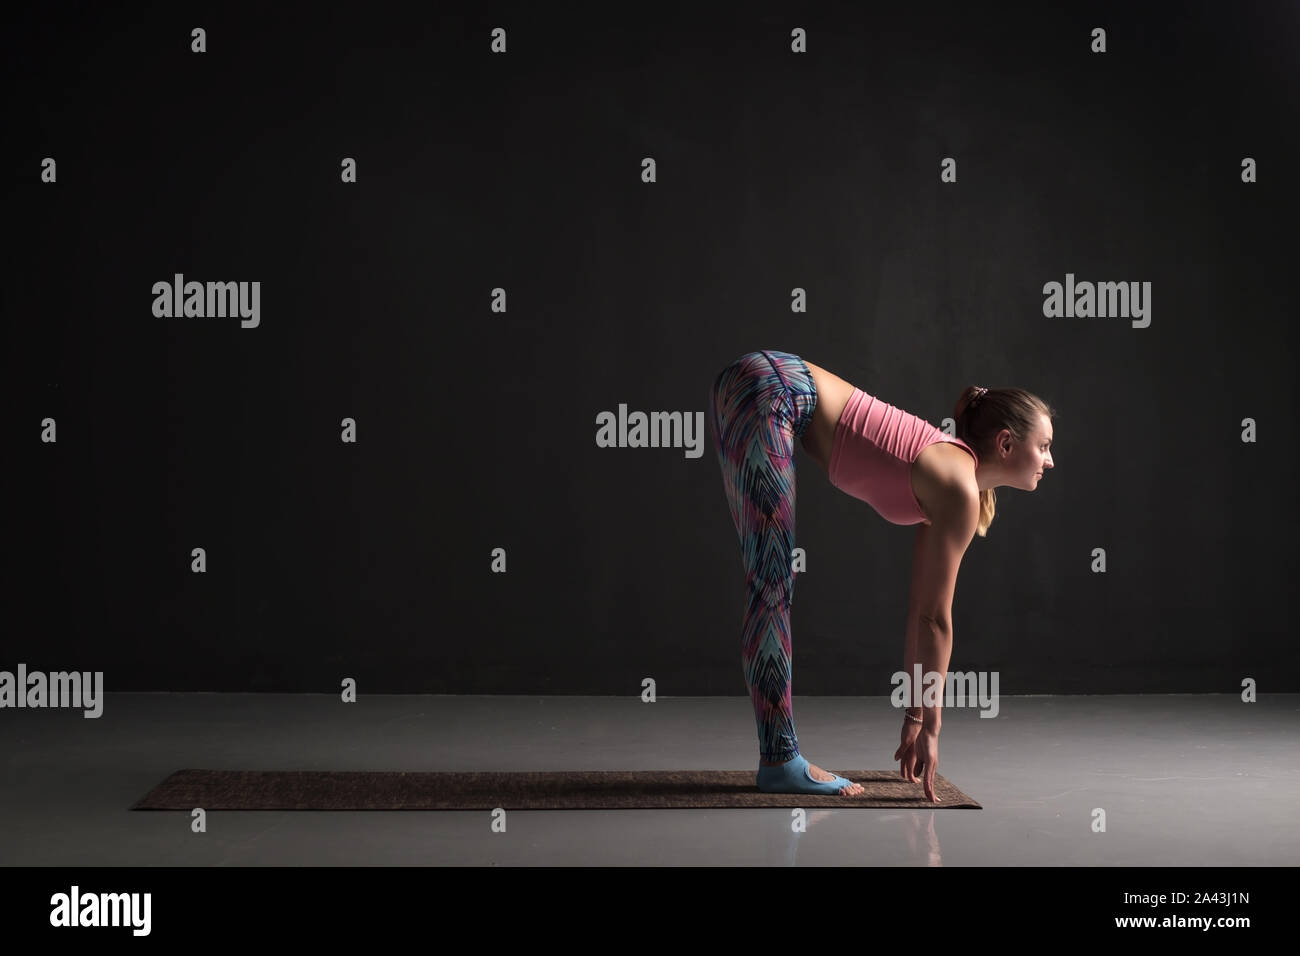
820	775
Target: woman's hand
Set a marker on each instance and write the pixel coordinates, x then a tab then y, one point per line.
918	756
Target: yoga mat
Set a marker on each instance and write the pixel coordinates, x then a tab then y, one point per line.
553	790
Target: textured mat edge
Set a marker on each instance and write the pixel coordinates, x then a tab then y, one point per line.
734	789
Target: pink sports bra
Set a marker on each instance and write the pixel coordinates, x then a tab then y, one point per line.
872	454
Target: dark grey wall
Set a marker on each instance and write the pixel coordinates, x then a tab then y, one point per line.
476	428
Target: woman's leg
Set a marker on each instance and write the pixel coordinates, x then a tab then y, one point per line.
761	404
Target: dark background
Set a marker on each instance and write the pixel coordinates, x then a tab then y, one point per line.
477	429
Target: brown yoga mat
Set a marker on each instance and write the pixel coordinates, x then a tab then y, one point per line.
562	790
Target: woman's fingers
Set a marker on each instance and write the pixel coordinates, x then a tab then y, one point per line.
907	764
914	768
929	782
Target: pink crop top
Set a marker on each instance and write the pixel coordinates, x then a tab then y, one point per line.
872	454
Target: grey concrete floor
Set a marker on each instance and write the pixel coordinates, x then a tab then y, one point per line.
1196	780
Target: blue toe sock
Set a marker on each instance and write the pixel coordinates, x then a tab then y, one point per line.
793	777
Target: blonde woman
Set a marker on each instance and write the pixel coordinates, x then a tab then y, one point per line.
909	471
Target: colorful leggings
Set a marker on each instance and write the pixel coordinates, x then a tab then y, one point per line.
759	405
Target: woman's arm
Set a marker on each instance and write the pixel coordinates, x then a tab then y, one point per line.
935	560
930	643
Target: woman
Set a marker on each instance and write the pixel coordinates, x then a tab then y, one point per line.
909	472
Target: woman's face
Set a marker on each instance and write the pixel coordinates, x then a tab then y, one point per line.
1036	454
1027	461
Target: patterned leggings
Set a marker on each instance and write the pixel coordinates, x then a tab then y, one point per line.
759	405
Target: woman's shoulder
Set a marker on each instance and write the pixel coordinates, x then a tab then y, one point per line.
944	476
